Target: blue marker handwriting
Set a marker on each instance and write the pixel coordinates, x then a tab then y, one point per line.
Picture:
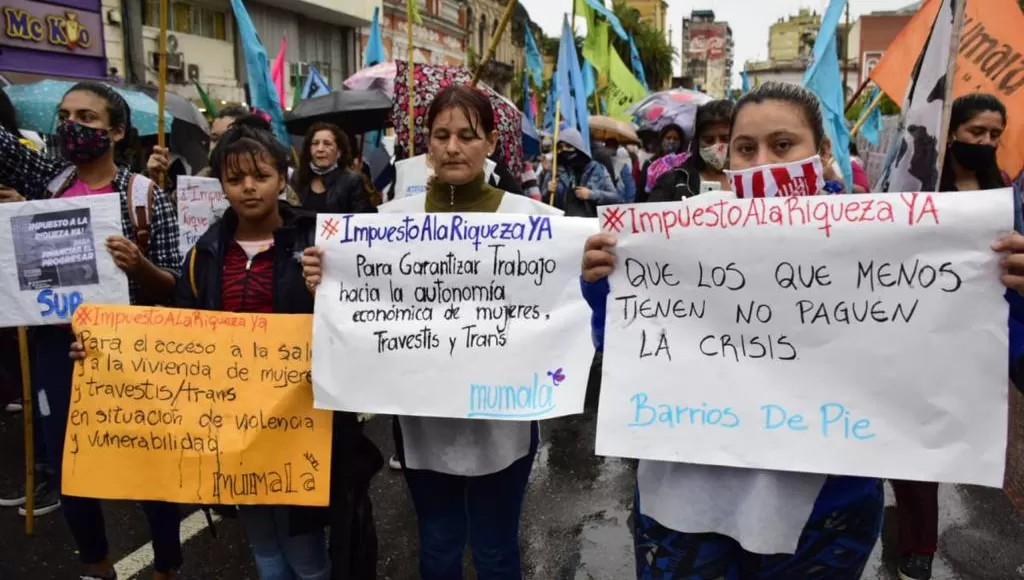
510	401
62	305
831	420
454	228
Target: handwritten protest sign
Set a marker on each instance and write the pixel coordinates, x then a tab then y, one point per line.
58	257
452	315
201	202
194	406
859	335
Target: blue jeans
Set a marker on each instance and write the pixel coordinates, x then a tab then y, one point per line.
51	379
484	509
279	555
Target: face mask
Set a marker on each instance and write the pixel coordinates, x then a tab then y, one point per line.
568	158
322	170
670	145
715	155
974	157
81	144
804	177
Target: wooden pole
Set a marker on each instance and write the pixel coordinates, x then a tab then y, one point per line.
161	137
554	152
954	53
30	453
846	51
867	112
505	18
856	95
410	77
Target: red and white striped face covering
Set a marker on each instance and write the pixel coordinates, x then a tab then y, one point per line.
780	180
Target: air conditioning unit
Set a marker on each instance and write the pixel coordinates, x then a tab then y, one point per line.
193	72
175	61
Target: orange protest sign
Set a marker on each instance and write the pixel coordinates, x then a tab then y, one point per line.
989	61
193	406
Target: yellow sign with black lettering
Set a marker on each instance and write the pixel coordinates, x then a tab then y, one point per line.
193	406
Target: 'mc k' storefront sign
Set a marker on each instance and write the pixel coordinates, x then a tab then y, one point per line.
57	37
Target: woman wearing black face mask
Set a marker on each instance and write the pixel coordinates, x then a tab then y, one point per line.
94	125
582	184
976	125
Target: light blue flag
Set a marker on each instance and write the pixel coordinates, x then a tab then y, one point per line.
610	16
549	106
589	82
824	80
315	85
374	52
872	127
262	92
570	82
534	62
745	77
638	65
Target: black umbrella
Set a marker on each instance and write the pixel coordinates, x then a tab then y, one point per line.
178	106
354	111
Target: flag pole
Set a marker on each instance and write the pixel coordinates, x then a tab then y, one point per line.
30	453
412	94
856	95
954	53
554	156
505	18
161	130
867	113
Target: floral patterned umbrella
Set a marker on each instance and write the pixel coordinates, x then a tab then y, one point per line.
428	81
672	107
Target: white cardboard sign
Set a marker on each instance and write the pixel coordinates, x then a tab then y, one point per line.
201	202
452	315
57	253
856	335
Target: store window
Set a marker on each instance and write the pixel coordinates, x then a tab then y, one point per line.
188	18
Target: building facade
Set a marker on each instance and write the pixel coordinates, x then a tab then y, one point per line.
483	17
41	39
793	38
872	34
204	49
653	12
707	54
441	39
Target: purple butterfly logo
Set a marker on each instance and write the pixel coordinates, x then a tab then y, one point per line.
557	376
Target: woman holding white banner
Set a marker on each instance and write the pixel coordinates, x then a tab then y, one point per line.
467	478
94	125
976	124
709	522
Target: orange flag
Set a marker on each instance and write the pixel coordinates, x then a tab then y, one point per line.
990	61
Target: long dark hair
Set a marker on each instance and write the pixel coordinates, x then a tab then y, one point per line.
8	117
118	111
964	109
303	174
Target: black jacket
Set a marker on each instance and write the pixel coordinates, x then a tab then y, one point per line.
354	458
681	183
345	191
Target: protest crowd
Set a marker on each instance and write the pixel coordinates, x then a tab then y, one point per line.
468	152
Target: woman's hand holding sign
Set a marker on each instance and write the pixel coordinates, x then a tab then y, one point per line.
312	259
598	257
1013	263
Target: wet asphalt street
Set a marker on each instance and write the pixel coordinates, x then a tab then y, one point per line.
575	525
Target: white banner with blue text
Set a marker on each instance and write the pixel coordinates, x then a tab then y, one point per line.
452	315
56	258
859	335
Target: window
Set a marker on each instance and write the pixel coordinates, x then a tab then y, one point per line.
188	18
483	32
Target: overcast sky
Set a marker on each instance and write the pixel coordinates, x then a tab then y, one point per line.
749	19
